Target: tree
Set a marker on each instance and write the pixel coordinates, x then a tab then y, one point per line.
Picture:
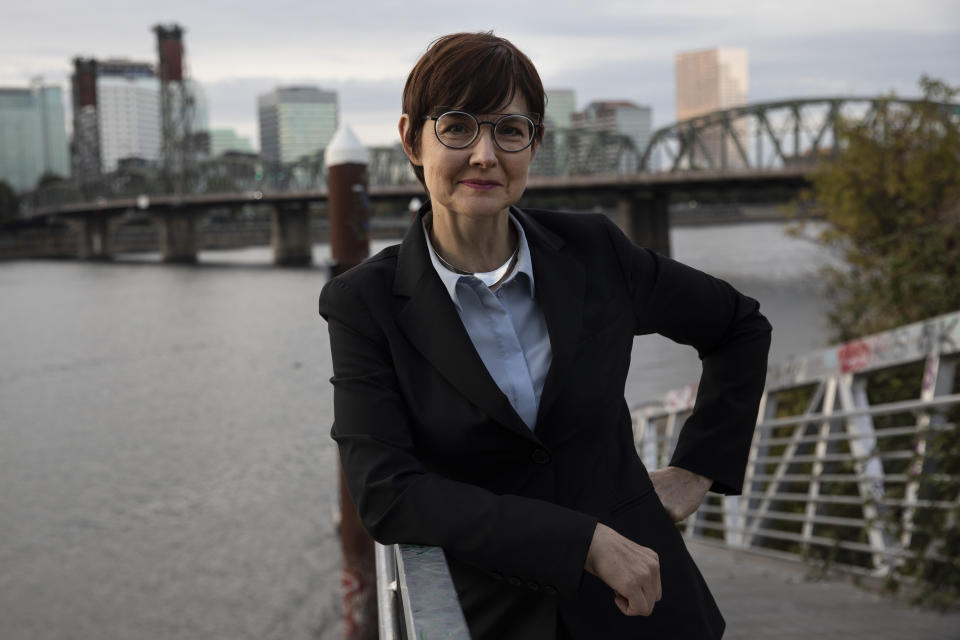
891	203
9	203
890	200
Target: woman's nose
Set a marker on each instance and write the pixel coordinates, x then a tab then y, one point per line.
484	149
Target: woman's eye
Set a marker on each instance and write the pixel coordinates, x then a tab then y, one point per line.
454	125
515	128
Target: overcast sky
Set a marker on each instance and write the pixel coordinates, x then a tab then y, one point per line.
604	49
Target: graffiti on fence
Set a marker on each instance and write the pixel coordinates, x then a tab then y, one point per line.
940	335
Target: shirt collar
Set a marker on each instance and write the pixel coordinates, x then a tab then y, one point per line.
450	279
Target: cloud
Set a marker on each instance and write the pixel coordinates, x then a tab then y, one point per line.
612	49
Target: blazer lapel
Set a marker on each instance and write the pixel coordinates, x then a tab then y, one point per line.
560	281
431	323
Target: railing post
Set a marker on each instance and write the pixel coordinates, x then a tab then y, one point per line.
820	452
868	465
938	376
388	599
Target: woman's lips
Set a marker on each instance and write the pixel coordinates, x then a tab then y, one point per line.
481	185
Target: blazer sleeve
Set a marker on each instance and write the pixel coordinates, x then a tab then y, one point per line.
732	339
398	500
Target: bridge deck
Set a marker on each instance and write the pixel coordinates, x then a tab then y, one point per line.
764	598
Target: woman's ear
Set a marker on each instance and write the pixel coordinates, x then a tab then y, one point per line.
404	128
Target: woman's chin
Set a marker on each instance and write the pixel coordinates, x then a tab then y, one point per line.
479	207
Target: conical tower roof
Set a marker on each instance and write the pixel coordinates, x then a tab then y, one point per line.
345	148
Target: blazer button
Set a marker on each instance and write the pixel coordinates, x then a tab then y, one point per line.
540	456
533	585
496	575
550	590
515	581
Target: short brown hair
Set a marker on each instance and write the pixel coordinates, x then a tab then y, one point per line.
476	72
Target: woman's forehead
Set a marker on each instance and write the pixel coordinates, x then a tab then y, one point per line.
516	104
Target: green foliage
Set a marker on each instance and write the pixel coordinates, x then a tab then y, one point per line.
891	202
9	203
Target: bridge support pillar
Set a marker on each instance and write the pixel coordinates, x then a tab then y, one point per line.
94	241
178	236
290	234
645	218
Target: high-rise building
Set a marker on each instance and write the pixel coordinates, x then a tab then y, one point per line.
128	94
707	81
552	152
33	136
223	140
619	117
561	103
85	146
296	122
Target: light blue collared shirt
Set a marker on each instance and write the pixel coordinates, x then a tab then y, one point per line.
506	326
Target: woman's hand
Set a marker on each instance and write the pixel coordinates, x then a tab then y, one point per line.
680	491
631	570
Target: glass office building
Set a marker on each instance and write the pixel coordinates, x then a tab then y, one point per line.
296	122
33	136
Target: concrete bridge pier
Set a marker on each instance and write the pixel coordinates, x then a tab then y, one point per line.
178	236
290	234
94	238
645	217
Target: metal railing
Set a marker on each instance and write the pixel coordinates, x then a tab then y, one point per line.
415	594
832	474
826	478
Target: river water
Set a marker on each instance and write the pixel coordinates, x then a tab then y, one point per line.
165	465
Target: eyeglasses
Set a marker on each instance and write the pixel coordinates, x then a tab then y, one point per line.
512	132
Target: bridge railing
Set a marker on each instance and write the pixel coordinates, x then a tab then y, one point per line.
841	456
415	594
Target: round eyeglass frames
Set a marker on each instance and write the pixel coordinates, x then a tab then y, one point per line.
512	132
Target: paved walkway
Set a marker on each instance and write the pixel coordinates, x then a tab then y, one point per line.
762	598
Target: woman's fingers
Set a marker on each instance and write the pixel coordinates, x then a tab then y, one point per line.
638	605
680	491
630	569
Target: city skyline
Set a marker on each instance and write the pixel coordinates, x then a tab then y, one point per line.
611	52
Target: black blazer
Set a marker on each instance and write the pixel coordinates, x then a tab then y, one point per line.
434	453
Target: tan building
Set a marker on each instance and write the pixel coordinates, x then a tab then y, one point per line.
711	80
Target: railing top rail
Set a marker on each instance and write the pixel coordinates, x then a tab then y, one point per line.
428	601
902	345
910	343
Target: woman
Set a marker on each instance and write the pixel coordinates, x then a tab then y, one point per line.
479	371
